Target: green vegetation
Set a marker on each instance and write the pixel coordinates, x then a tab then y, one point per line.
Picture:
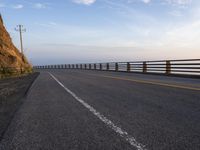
6	72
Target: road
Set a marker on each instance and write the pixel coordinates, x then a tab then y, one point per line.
99	110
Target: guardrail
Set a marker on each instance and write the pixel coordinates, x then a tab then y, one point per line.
168	67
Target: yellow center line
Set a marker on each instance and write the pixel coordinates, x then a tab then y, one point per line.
149	82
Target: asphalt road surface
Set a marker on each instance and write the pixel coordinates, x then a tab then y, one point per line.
93	110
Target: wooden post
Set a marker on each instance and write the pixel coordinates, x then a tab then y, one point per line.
107	66
90	67
144	67
81	66
100	66
95	66
128	67
85	66
168	67
116	67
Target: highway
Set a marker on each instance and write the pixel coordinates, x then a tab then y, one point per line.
99	110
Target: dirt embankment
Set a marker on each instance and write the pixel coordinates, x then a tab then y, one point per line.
12	62
12	91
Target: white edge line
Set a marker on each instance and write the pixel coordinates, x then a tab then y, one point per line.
131	140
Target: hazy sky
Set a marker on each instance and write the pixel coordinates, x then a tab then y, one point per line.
74	31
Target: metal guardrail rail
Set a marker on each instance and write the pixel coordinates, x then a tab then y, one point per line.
168	67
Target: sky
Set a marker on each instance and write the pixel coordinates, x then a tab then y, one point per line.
83	31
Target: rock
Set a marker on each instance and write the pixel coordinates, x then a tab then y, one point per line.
11	60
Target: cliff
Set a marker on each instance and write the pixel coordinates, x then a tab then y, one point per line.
11	60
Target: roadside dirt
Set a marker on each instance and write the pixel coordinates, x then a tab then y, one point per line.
12	93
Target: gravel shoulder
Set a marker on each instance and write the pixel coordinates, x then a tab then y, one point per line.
12	92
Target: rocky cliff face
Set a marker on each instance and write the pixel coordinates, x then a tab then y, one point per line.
11	60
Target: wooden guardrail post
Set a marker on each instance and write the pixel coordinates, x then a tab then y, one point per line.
85	66
107	66
81	66
144	67
100	66
128	67
90	67
76	66
168	67
116	67
95	66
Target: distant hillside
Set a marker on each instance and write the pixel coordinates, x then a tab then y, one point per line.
11	60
